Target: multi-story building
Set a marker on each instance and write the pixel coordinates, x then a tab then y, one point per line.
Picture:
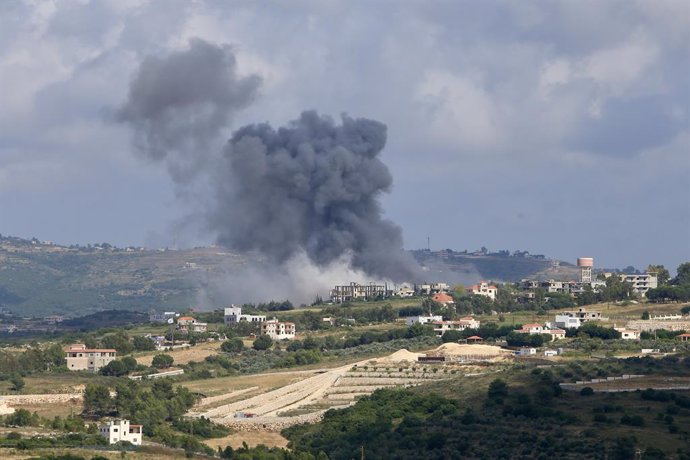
567	322
190	324
483	288
640	283
121	430
356	291
80	358
441	327
432	288
278	330
583	314
233	315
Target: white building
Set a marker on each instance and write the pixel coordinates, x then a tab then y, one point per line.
440	327
567	322
628	334
278	330
120	430
233	315
422	319
483	288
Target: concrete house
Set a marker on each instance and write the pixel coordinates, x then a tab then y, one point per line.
121	430
189	324
483	288
233	315
410	320
440	327
80	358
278	330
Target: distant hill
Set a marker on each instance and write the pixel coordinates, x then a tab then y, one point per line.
40	278
499	266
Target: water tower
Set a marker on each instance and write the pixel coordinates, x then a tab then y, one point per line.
585	264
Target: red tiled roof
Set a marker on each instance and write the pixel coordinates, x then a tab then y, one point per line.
474	337
529	326
185	318
442	297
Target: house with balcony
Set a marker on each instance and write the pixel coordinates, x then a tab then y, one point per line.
483	288
81	358
278	330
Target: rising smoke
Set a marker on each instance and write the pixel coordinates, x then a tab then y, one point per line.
311	188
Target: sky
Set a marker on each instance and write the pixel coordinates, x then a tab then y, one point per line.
561	128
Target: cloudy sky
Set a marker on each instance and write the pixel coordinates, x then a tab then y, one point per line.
559	128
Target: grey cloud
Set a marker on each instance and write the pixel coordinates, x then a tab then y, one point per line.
178	105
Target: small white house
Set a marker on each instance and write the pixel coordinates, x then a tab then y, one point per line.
410	320
120	430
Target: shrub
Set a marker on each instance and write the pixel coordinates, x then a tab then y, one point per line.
587	391
162	361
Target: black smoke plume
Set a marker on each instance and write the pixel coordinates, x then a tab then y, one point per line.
312	187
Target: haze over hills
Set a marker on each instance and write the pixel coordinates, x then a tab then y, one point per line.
38	278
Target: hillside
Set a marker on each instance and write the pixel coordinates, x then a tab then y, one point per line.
39	278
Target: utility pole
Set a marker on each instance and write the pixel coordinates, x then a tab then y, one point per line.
362	455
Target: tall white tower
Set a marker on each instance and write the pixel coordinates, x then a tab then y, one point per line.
585	264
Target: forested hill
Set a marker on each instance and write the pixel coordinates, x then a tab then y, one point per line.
39	278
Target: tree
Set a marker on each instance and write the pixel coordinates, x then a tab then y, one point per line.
115	368
263	342
645	314
498	390
142	343
17	383
162	361
97	400
232	346
662	275
682	274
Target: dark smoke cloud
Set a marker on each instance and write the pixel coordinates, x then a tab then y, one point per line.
313	186
179	105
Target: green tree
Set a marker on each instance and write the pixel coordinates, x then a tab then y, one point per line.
162	361
142	343
97	400
263	342
498	390
17	382
645	314
682	274
232	346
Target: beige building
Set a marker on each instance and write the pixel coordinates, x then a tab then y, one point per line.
483	288
80	358
278	330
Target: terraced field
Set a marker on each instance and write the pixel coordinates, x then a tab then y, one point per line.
306	400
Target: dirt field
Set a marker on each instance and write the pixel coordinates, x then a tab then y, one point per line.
262	382
252	438
183	356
